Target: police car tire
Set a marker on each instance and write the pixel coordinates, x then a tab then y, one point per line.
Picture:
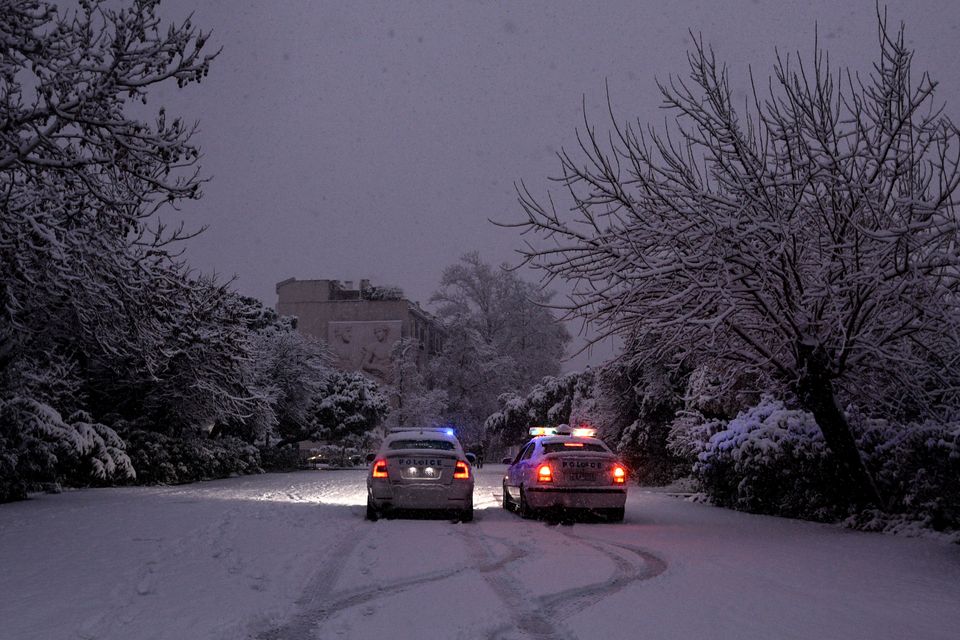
507	504
525	510
615	515
372	513
466	515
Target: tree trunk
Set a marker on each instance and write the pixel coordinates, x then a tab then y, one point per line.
815	392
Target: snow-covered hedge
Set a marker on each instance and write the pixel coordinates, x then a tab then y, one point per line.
643	445
771	459
690	434
161	459
274	458
917	469
39	449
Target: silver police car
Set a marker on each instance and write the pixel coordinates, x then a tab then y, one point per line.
562	469
420	469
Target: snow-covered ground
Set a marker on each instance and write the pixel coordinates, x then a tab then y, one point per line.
289	556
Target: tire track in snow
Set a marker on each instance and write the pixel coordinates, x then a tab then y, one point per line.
532	616
314	602
320	602
542	616
524	611
628	570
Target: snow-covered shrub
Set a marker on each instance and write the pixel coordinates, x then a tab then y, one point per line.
635	406
643	446
39	448
770	459
917	469
102	454
161	459
690	434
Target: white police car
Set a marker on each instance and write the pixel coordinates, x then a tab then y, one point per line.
565	468
420	469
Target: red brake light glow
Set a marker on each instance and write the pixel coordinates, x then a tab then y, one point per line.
462	471
573	444
380	469
544	473
619	474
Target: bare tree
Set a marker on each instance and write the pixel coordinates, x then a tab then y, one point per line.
808	240
413	403
500	336
507	313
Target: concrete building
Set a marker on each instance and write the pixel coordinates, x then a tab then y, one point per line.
360	324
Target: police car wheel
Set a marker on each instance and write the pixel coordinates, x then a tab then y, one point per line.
525	510
466	514
615	515
507	504
373	514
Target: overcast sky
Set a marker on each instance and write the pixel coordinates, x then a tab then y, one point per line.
374	140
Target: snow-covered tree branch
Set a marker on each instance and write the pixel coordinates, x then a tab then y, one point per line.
806	240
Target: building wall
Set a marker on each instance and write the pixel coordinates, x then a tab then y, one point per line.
360	331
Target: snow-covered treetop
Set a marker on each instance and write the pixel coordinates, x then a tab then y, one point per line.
812	230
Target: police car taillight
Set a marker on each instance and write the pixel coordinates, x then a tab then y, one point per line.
461	471
544	473
380	469
619	474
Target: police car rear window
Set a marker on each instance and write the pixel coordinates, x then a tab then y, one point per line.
442	445
559	447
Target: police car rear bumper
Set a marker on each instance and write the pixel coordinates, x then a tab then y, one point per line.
420	496
576	497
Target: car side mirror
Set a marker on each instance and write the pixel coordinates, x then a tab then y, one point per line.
370	457
507	460
471	458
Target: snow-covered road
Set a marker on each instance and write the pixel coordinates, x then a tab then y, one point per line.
289	556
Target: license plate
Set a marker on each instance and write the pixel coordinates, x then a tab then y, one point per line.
421	473
582	476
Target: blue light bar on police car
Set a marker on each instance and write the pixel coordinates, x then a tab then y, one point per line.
542	431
